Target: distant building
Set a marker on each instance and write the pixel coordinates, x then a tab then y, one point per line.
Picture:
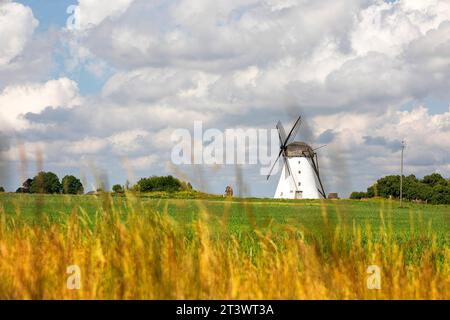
333	195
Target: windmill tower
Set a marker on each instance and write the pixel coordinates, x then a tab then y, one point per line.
300	177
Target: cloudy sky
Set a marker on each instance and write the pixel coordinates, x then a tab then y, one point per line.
96	88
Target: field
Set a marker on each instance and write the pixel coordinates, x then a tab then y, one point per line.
139	247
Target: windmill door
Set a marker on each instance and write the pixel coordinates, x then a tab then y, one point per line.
298	194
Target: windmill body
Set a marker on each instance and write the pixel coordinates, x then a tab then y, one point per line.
301	185
300	177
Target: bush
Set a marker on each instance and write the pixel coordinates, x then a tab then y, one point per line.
434	179
2	190
26	186
432	188
167	183
358	195
46	182
117	188
72	185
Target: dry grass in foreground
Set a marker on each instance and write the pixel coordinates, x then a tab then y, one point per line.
144	254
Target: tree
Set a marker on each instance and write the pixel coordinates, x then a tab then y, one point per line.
72	185
389	186
372	191
440	194
167	183
434	179
358	195
432	188
26	186
2	190
117	188
46	182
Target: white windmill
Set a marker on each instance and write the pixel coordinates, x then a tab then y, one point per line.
300	177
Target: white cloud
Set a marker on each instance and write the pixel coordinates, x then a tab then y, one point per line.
17	26
351	66
369	145
91	145
128	141
16	101
90	13
141	163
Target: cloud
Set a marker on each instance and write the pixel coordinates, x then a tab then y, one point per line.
17	101
393	145
223	35
427	139
18	25
90	13
144	162
86	146
362	73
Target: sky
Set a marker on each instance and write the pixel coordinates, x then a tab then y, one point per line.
97	88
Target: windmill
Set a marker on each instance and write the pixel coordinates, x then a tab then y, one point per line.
300	177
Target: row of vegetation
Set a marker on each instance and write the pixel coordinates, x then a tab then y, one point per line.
433	189
49	183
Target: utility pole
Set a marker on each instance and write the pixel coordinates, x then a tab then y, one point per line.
401	176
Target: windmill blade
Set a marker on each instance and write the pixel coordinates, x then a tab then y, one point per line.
315	164
276	161
288	166
325	145
281	133
294	130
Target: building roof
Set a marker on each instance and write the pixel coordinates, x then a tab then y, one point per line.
299	149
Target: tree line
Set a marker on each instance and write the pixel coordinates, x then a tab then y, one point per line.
432	188
155	183
49	183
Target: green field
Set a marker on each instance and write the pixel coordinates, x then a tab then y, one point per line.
239	216
158	247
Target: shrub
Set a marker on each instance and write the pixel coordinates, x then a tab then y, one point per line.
167	183
72	185
432	188
434	179
117	188
358	195
2	190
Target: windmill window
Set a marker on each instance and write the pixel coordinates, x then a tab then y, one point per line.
299	184
299	172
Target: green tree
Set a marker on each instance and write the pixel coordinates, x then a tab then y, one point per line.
389	186
358	195
2	189
440	194
26	186
46	182
434	179
167	183
72	185
372	191
117	188
432	188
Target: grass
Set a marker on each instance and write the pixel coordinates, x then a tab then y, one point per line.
160	248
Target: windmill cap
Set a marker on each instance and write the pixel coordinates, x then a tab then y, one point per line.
299	149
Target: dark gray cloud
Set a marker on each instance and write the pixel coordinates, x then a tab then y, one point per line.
393	145
326	137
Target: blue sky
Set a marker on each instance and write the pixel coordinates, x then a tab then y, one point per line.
102	99
49	12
